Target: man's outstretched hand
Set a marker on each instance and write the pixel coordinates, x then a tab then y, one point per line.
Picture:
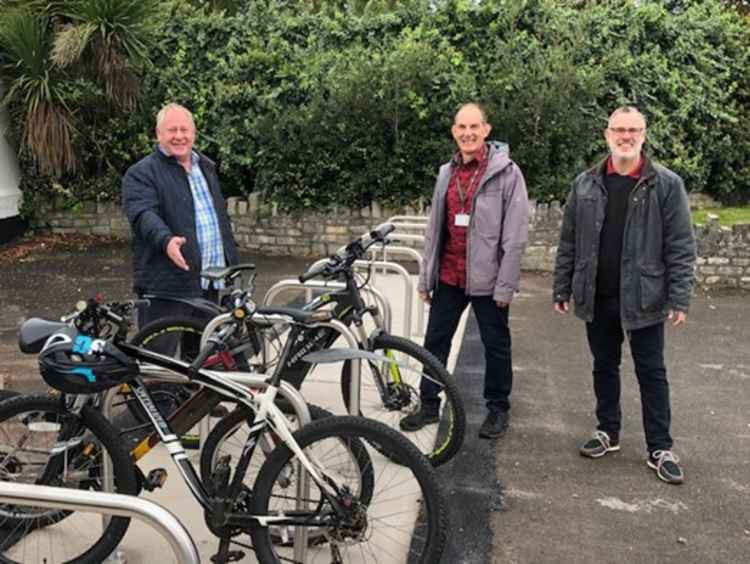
175	254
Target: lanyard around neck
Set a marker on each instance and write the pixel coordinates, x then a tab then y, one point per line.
461	192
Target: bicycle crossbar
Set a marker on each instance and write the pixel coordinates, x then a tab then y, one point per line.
153	514
294	284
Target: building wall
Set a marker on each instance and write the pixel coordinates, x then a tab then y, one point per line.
723	253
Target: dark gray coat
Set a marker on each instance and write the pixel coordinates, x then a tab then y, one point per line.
498	229
658	253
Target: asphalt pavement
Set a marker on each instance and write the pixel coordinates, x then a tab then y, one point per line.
529	498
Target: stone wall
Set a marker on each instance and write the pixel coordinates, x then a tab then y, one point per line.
723	253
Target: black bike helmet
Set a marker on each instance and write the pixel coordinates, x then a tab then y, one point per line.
77	364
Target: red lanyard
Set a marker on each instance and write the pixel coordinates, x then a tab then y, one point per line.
461	193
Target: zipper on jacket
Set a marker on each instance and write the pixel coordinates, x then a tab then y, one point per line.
482	184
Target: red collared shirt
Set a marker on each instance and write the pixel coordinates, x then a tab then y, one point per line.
635	173
469	175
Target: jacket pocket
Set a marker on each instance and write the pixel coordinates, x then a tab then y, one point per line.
652	286
580	281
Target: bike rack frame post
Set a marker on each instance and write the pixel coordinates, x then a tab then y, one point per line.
153	514
396	219
417	257
397	269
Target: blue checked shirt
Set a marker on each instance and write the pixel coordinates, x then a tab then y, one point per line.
206	222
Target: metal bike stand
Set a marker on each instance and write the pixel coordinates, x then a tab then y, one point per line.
153	514
397	269
396	219
417	257
291	284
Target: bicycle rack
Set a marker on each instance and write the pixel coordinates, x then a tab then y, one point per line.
291	283
153	514
397	269
413	254
403	219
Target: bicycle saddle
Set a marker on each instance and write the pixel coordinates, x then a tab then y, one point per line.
34	333
223	273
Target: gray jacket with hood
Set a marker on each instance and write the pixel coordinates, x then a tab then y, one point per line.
497	232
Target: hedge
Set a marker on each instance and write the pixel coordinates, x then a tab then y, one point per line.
315	108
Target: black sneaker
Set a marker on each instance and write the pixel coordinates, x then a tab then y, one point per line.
495	425
666	465
415	421
599	445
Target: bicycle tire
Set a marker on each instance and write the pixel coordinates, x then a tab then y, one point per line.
166	396
411	484
452	426
42	418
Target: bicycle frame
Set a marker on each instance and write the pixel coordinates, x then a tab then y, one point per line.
267	414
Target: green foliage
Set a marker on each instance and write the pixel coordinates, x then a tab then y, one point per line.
727	216
35	90
66	65
332	102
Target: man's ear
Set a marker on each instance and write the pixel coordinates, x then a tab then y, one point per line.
487	129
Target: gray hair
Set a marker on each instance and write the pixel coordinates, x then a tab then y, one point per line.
172	106
627	110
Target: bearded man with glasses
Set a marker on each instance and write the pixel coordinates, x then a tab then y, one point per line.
626	256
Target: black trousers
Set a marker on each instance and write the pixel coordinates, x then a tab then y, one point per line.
448	303
605	337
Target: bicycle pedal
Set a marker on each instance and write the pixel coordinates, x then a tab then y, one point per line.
155	479
231	556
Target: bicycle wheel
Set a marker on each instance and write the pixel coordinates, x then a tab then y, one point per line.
229	436
177	337
400	395
30	427
403	521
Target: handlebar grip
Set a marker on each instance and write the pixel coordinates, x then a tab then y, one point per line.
313	272
202	356
382	231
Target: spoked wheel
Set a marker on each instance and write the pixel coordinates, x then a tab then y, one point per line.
42	442
389	392
403	520
229	436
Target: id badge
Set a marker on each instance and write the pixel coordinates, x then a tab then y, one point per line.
462	219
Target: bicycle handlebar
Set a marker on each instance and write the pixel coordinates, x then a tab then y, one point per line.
345	258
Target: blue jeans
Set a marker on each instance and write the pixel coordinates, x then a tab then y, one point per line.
605	337
448	303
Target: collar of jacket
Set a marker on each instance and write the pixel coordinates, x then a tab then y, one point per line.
160	154
600	169
498	157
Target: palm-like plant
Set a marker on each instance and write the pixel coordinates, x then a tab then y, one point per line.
35	90
113	35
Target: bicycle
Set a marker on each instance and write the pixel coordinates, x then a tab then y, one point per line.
320	479
390	390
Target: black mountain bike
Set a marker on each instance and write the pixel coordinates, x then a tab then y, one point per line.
320	495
